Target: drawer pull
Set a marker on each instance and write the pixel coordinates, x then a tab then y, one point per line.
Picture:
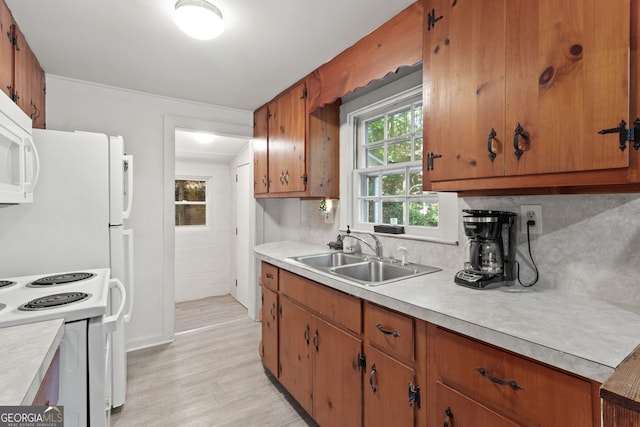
372	378
449	418
269	276
387	332
511	383
306	335
315	341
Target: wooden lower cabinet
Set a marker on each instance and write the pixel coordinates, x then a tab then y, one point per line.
386	386
319	366
269	346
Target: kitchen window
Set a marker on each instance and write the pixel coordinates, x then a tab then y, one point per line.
191	201
385	143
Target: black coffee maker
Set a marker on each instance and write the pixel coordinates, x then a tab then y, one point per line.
490	251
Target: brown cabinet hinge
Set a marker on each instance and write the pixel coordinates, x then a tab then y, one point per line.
304	93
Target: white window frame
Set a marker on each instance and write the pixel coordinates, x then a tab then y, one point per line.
207	180
447	230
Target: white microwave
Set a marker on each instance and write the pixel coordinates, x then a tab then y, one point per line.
19	163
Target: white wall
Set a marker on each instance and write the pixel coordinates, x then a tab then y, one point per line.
203	254
147	123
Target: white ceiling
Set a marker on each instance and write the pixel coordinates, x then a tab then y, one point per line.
134	44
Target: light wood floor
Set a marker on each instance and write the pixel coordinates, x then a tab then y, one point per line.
211	375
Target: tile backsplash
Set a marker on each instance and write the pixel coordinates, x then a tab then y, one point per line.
590	244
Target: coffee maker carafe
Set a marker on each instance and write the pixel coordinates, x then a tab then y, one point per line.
490	250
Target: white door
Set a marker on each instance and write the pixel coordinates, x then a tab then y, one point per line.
243	253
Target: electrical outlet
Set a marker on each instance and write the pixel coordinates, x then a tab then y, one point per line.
531	213
328	217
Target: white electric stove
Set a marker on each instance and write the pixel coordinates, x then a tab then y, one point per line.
82	299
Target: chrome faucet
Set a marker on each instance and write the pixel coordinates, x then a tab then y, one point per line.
377	249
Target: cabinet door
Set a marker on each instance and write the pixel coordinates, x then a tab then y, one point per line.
464	88
337	380
270	330
457	410
6	50
260	150
286	141
29	81
294	351
567	77
386	387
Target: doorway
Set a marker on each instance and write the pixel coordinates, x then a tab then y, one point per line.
243	219
218	167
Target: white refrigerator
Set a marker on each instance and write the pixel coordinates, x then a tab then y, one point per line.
76	222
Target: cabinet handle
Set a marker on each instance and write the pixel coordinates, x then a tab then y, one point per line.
269	276
372	381
511	383
315	341
492	136
286	177
519	132
271	311
387	332
306	335
448	421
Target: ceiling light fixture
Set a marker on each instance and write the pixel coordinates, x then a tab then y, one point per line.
198	19
204	137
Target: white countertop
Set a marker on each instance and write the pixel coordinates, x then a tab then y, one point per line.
25	355
585	336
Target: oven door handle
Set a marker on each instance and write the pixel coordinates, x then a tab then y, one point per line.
110	322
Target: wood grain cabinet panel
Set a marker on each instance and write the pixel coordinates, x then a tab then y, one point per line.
269	349
457	410
516	93
260	150
269	276
386	389
390	331
6	49
335	306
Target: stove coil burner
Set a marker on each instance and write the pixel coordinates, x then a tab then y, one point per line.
53	301
60	279
6	283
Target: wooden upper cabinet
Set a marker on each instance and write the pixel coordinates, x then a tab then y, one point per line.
21	76
287	118
6	49
516	93
260	150
29	81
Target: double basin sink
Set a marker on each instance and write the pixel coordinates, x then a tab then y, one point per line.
363	269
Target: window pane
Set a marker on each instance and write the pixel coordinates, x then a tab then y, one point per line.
399	124
375	130
375	156
392	210
191	215
417	119
417	149
393	184
415	182
368	211
191	191
399	152
371	185
424	214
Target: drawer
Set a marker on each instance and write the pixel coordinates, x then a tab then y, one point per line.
389	331
341	309
269	276
455	409
525	391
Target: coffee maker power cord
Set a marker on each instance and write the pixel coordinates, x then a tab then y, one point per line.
530	224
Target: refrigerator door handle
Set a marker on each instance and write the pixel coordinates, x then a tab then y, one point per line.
36	173
110	322
130	270
128	169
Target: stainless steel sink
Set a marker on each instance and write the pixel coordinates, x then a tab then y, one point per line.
377	272
363	269
330	259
